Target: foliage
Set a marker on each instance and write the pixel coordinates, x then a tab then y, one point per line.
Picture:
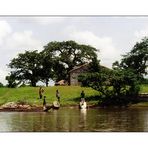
54	62
136	59
67	55
144	81
125	82
125	78
94	66
25	67
12	80
46	67
113	85
1	84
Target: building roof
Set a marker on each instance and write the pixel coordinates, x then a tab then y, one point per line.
78	67
84	65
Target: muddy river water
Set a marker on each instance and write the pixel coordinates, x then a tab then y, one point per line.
75	120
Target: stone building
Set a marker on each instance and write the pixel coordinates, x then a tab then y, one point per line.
75	72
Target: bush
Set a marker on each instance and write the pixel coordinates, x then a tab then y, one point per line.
116	86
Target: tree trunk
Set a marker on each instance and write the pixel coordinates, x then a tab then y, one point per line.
33	83
47	82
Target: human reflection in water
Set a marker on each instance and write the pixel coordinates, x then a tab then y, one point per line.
83	117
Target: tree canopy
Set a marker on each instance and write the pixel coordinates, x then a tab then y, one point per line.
26	67
136	59
67	55
124	79
54	62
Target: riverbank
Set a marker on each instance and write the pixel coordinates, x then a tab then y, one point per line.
70	95
139	105
27	98
13	107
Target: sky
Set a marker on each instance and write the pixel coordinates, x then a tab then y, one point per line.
113	35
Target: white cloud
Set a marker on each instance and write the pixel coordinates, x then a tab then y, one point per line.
108	53
20	41
16	42
42	20
48	20
5	30
141	33
3	74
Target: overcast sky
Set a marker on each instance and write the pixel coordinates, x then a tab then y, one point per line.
113	36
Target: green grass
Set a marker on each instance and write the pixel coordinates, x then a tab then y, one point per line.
70	95
144	88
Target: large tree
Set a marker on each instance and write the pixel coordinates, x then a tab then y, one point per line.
12	80
67	55
46	67
136	59
54	62
26	67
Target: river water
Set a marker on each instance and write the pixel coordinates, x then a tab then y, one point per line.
75	120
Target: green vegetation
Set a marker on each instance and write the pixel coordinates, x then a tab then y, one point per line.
54	62
1	85
118	86
70	95
136	59
144	88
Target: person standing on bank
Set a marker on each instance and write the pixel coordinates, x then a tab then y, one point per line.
58	95
41	91
44	104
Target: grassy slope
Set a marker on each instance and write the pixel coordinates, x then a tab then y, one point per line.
69	94
144	88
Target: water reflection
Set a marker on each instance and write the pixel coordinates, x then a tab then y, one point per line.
82	120
76	120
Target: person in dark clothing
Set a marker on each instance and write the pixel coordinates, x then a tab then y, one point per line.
82	94
58	95
41	91
44	103
46	107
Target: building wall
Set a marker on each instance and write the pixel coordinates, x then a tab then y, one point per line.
74	76
76	72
